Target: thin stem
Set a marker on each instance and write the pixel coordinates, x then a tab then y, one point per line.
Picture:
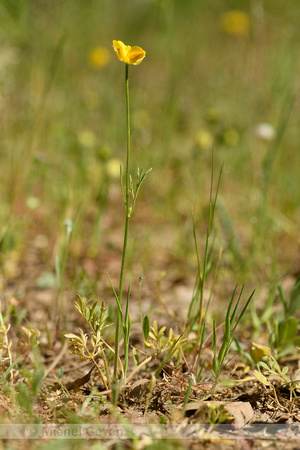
106	367
204	268
128	212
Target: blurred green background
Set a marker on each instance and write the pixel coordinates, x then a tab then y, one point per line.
222	74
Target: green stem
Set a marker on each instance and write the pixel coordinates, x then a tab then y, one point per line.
128	213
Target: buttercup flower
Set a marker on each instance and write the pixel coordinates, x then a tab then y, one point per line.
127	54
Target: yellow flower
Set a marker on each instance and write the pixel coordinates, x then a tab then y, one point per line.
113	168
204	140
99	57
86	138
127	54
258	352
235	23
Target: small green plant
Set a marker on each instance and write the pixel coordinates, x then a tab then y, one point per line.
5	351
283	327
27	393
197	315
217	414
293	304
284	337
93	348
228	335
5	344
28	338
268	367
163	344
145	323
126	326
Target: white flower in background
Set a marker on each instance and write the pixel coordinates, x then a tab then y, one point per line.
265	131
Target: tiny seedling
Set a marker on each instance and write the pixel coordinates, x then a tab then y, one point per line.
268	367
163	344
228	335
284	328
92	348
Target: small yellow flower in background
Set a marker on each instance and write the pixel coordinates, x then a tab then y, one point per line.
86	138
204	140
113	168
128	54
235	23
99	57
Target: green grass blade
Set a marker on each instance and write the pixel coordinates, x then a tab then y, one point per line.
243	311
7	372
236	305
168	355
116	297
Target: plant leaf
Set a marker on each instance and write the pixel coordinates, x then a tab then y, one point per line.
295	297
287	330
146	327
261	378
135	356
7	372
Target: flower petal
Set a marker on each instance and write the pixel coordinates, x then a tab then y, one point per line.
121	50
136	55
